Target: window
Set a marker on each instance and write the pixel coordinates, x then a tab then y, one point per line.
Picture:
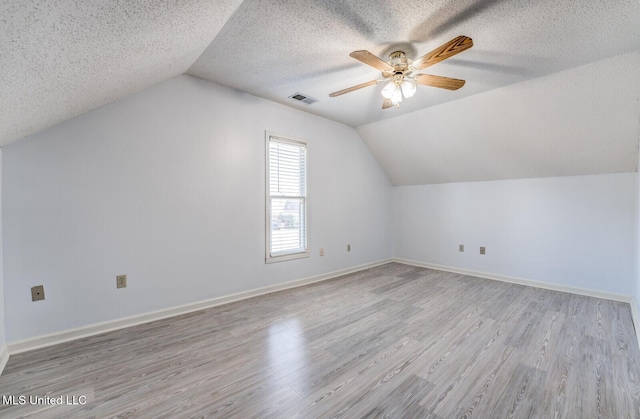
286	199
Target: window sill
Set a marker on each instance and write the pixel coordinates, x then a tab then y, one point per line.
290	256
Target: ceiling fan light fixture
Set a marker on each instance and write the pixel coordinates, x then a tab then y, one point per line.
392	92
388	90
408	87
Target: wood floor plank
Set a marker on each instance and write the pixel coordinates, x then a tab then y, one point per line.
355	386
561	373
391	341
402	401
521	394
488	386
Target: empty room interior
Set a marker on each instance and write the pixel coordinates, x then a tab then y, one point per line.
315	208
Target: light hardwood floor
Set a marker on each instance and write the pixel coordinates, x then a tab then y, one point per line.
391	341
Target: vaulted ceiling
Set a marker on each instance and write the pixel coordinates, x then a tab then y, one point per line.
60	59
63	58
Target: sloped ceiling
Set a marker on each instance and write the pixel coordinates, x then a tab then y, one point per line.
59	59
580	121
62	58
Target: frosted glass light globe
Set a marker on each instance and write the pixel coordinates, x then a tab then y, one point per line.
408	87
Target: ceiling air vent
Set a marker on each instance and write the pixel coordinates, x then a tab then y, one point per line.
303	98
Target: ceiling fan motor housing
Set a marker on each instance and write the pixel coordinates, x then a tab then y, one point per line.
399	61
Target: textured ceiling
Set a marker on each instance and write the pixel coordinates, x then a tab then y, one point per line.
59	59
62	58
276	48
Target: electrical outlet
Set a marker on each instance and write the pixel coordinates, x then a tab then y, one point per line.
321	252
348	248
461	247
482	250
121	281
37	293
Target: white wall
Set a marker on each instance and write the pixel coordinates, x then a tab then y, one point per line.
547	226
576	231
167	186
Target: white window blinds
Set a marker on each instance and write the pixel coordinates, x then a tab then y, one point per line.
286	198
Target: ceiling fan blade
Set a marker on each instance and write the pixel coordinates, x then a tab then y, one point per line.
387	104
352	88
443	52
439	81
370	59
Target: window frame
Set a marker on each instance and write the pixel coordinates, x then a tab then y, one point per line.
279	257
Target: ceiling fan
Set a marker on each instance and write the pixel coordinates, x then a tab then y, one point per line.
399	71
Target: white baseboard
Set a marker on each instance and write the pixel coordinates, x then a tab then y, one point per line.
98	328
4	357
521	281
